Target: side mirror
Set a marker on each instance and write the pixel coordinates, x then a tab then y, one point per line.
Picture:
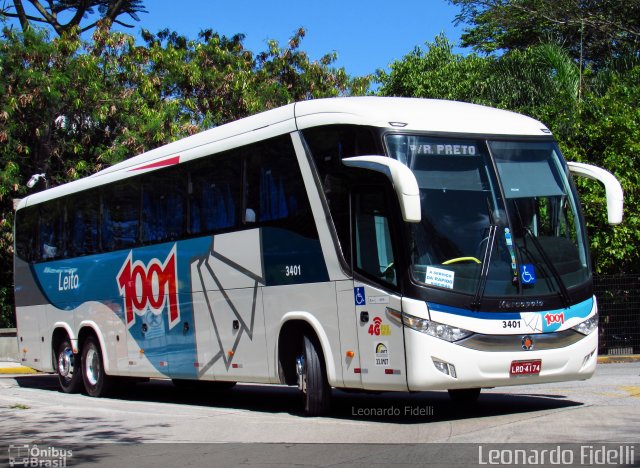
403	180
613	189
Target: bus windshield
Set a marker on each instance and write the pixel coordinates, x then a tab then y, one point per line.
499	218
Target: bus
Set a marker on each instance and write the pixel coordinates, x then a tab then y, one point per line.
364	243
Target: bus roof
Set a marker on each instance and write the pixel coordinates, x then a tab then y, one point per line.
410	114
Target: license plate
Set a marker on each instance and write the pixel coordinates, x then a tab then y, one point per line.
526	367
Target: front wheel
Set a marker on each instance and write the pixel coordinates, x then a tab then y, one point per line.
96	381
68	368
312	378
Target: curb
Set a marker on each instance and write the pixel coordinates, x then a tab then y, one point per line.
618	359
17	370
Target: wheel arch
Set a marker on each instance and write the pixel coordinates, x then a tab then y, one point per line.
89	328
293	326
62	331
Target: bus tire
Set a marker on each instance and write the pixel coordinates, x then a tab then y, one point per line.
68	368
315	386
464	395
96	382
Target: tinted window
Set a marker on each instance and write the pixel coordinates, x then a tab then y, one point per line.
51	231
121	216
26	233
275	189
328	146
163	206
84	223
214	193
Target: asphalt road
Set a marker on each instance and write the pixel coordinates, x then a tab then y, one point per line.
604	409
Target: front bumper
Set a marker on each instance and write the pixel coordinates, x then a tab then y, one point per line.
475	368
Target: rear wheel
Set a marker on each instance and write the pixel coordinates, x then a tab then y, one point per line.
96	381
312	378
68	368
464	395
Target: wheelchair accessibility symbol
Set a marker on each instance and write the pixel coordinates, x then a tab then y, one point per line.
358	294
528	274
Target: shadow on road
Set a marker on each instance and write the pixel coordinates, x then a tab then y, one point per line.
387	407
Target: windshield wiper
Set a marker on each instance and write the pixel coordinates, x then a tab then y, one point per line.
486	261
484	270
563	292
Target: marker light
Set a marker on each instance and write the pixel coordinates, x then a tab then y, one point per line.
350	354
435	329
587	326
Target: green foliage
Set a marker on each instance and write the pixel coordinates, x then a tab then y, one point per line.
608	135
596	119
591	31
69	108
437	73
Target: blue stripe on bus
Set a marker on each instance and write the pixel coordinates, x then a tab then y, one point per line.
288	258
580	310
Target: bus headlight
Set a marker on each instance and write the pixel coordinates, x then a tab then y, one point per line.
587	326
435	329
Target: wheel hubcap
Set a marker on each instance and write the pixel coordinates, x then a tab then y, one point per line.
66	363
302	374
92	368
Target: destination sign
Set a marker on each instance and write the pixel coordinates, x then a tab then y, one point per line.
443	149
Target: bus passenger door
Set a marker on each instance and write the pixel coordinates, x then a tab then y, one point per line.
377	306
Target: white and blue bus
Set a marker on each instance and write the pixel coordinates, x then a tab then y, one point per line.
367	243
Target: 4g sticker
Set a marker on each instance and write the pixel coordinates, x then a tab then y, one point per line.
378	328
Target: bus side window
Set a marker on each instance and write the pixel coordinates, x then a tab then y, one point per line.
328	146
373	244
214	194
27	233
163	207
121	220
51	231
275	189
84	224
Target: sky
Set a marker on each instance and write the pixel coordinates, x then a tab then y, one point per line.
366	34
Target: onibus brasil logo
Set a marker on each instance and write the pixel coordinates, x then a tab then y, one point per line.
150	286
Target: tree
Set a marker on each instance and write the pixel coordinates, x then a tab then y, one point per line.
592	31
69	107
53	12
529	81
596	123
437	72
607	134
